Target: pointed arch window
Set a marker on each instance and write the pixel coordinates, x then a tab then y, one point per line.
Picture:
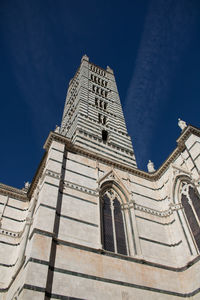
191	203
113	229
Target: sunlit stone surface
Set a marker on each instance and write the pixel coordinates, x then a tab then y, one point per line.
53	232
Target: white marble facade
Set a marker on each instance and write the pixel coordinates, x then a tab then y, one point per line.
51	233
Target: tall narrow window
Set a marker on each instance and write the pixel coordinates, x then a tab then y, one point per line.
191	203
114	238
107	225
104	135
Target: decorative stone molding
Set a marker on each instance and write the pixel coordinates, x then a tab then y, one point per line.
52	174
176	206
80	188
11	233
148	210
13	192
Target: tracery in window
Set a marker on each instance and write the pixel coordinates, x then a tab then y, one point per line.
113	231
191	203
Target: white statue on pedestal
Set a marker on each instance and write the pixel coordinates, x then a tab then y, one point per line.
57	129
182	124
150	167
27	185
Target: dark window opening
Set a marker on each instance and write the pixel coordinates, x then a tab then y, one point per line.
104	135
108	238
113	230
191	204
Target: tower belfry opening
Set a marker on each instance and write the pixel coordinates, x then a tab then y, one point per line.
104	135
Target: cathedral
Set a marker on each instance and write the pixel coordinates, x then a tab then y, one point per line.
93	226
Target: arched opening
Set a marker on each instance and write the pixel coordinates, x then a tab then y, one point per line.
190	201
113	229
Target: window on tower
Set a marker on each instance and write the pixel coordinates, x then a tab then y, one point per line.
113	229
104	135
100	103
99	118
102	119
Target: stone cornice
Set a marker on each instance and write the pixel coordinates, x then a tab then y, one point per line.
150	176
53	136
186	133
13	192
37	175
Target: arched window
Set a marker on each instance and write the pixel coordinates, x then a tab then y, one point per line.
191	203
113	229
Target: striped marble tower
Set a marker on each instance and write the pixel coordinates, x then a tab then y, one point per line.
93	116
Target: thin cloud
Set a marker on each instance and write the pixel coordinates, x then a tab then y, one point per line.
167	32
37	56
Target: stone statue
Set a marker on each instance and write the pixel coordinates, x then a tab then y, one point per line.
27	185
182	124
57	129
150	167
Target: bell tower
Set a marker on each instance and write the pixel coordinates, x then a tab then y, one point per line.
93	116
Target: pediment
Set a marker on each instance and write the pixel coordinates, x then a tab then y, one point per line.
113	177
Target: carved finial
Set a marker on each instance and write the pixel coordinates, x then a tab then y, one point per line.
108	69
182	124
57	129
150	167
85	57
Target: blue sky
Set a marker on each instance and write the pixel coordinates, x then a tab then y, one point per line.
152	45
